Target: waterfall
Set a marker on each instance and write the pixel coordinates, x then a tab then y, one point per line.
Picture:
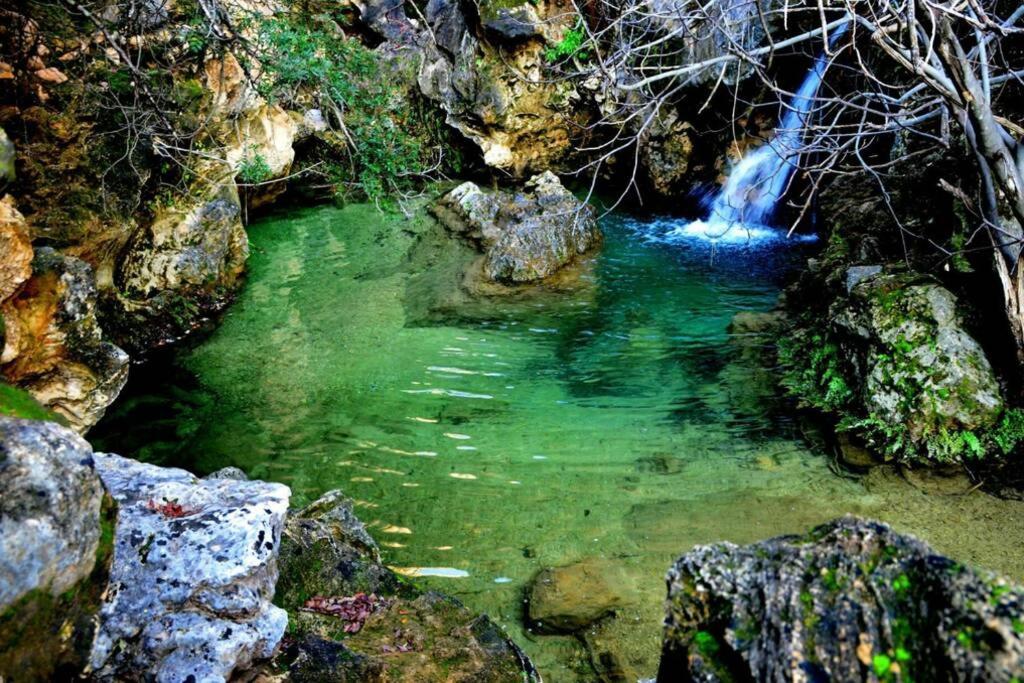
755	185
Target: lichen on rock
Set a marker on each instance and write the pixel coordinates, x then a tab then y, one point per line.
193	574
50	500
852	601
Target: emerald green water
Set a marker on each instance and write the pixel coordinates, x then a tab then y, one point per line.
614	420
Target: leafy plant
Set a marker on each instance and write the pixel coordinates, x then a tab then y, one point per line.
571	45
1010	430
372	119
254	169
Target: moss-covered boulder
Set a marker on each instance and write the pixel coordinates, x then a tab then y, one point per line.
353	619
925	382
886	351
55	541
851	601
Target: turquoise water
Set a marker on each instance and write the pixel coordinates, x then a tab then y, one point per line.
611	419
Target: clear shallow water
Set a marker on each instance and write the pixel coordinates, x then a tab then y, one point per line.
614	419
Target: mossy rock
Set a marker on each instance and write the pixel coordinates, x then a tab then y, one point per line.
852	601
411	635
15	402
48	638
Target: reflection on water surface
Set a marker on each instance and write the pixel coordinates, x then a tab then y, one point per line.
615	420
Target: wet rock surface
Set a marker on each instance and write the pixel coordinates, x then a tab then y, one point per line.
853	600
50	500
571	598
193	574
53	345
524	236
407	634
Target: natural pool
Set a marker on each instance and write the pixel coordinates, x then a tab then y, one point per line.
614	421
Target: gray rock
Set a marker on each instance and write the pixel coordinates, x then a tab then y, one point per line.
193	574
498	97
851	601
188	262
857	274
227	473
524	236
514	22
50	501
197	242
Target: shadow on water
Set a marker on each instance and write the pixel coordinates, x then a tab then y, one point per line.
611	419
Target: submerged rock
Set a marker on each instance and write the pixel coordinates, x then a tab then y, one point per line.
193	574
571	598
525	236
403	634
851	601
50	500
53	345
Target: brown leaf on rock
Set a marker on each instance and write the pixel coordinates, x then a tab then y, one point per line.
353	610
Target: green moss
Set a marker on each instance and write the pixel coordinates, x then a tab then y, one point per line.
381	145
15	402
706	644
814	371
571	46
47	637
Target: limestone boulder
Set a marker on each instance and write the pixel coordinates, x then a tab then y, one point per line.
666	148
525	236
196	242
192	577
918	367
53	345
50	500
182	267
488	74
851	601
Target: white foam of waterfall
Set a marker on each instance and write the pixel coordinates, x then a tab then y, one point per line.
741	212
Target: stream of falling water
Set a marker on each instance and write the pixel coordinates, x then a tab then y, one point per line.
744	208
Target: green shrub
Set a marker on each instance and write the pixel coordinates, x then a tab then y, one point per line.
254	169
571	45
358	92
